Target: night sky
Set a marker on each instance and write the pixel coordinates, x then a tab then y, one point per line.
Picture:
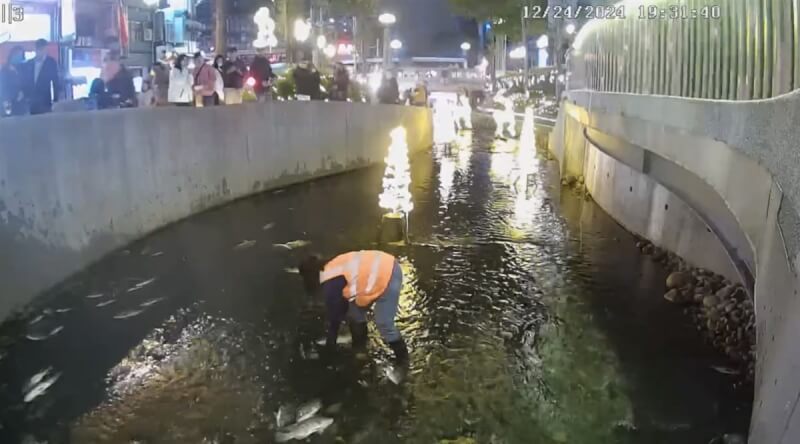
429	28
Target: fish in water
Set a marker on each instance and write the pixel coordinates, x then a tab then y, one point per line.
95	296
128	314
394	374
141	285
245	244
104	303
37	378
157	254
341	340
293	245
40	385
304	429
292	270
42	337
285	416
308	410
36	319
63	310
268	226
151	302
725	370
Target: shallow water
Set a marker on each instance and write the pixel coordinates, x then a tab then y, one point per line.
530	315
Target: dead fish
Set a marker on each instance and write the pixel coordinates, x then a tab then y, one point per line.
394	374
104	303
141	285
37	378
725	370
151	302
304	429
36	319
94	296
292	270
157	254
63	310
293	245
284	416
308	410
38	389
278	191
42	337
245	244
128	314
268	226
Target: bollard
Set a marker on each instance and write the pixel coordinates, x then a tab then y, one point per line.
393	228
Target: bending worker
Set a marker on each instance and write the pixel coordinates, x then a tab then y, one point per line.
351	284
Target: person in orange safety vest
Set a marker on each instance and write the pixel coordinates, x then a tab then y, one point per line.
351	284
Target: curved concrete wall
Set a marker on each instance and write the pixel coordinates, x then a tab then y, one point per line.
74	187
736	165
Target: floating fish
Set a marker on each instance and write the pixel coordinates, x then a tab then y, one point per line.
151	302
308	410
39	388
304	429
394	374
725	370
63	310
36	319
243	245
94	296
128	314
141	285
104	303
292	270
42	337
341	340
293	245
281	191
37	378
157	254
285	416
268	226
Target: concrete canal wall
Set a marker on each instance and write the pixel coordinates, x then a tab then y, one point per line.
718	183
76	186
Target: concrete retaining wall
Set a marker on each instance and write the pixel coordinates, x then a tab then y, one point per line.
74	187
736	165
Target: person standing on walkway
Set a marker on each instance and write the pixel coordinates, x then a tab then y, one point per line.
42	79
351	284
261	71
11	83
204	81
160	79
233	78
180	83
119	82
341	83
219	83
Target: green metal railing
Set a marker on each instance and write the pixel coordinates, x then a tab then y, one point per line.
712	49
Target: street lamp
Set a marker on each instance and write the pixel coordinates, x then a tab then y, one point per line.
570	28
302	30
387	20
466	46
396	44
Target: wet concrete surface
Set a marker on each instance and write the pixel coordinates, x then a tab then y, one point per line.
530	315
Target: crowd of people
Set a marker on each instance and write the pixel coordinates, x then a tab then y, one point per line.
28	87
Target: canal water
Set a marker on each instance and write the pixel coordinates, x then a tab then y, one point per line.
530	315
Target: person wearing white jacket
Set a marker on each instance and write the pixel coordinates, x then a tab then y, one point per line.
180	83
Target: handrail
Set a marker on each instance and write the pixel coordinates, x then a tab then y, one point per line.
752	51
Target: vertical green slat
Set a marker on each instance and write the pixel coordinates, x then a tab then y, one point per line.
768	39
706	85
796	44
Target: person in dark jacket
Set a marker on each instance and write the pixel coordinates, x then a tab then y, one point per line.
341	83
43	85
261	71
307	81
389	91
121	88
233	78
11	83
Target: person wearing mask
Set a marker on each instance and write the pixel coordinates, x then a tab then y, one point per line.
119	82
180	83
219	83
341	83
261	71
42	79
160	79
233	78
351	284
204	81
11	83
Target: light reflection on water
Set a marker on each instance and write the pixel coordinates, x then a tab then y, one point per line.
508	309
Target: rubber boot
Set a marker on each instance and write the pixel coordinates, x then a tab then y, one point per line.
400	351
359	333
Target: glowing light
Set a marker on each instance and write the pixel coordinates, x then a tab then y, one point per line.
570	28
396	44
330	51
251	82
87	72
33	27
387	19
396	195
374	80
322	42
345	49
518	53
543	42
302	30
466	46
444	119
504	118
150	2
266	29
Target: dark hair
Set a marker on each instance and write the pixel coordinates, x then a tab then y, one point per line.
98	87
218	57
179	61
197	55
309	270
41	43
14	51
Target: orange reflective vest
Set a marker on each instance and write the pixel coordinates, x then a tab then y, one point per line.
367	274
